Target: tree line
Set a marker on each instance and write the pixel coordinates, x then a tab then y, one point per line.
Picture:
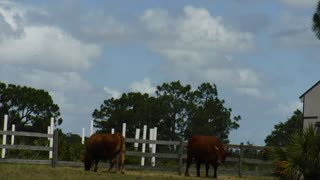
176	109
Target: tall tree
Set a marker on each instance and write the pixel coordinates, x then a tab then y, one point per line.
176	110
316	21
28	108
279	136
174	99
209	116
135	109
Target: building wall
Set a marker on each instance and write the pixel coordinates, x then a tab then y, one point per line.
311	106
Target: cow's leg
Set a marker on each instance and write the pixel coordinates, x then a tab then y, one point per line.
215	167
189	161
198	167
112	163
207	169
96	165
121	162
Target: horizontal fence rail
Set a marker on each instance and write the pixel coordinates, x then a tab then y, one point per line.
54	149
179	155
28	134
26	147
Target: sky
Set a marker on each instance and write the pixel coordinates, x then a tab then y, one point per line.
261	54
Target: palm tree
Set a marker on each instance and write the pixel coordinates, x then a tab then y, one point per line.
300	159
316	21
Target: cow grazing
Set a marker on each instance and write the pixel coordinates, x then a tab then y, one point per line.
105	147
205	149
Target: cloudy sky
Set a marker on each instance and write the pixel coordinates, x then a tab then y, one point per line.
261	54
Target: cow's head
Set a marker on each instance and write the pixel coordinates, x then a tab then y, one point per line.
87	162
221	154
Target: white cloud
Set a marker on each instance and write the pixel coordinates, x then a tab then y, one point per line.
49	47
144	87
287	109
295	32
113	93
301	3
42	55
196	30
42	45
98	27
201	47
65	81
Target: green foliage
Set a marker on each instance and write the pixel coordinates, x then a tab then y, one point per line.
28	108
174	99
281	132
316	21
177	111
208	115
300	157
70	147
135	109
28	154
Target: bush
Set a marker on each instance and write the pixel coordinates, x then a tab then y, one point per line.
300	158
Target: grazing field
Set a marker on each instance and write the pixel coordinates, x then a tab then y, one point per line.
44	172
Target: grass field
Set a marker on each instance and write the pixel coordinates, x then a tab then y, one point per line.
44	172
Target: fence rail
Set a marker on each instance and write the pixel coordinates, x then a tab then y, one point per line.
54	149
28	134
180	155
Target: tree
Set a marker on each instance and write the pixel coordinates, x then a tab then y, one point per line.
174	99
70	147
299	159
316	21
209	116
176	110
28	108
279	136
135	109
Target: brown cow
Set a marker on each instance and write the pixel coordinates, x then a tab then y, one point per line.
105	147
205	149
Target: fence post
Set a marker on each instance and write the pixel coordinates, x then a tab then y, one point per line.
124	129
83	135
13	129
4	137
180	156
136	145
51	139
55	148
91	127
153	159
240	159
144	136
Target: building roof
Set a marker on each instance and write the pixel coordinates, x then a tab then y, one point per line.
309	89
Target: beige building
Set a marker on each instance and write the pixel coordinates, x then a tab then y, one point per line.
311	106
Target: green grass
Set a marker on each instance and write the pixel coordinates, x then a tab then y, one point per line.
45	172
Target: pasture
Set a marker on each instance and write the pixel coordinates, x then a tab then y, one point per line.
46	172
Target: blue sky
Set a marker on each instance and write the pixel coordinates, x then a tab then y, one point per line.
261	54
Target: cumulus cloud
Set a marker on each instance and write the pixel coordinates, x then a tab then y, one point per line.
65	81
144	87
98	27
295	32
196	30
287	109
41	45
112	92
37	53
200	47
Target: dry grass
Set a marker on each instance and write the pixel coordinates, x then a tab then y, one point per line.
43	172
